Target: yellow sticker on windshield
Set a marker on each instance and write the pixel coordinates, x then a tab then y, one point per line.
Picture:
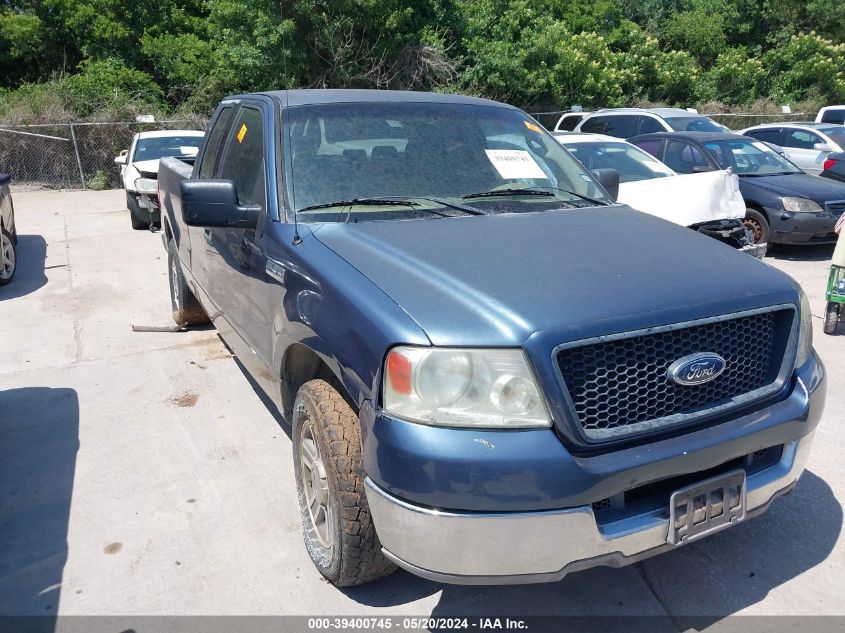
531	126
242	133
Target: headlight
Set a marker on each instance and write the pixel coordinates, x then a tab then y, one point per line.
805	333
801	205
491	388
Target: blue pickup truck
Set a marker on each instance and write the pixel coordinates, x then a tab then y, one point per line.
493	373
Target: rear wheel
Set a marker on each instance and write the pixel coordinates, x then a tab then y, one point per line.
758	225
831	318
336	522
186	309
8	257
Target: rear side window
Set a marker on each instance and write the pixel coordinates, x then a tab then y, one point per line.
620	126
684	158
767	136
801	139
243	161
568	123
836	115
212	146
652	146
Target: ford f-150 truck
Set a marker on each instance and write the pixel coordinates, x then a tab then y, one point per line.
493	373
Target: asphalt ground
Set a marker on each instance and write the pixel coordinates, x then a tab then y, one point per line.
142	474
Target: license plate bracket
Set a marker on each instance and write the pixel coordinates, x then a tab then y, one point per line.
706	507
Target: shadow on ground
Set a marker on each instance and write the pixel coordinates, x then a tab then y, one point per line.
816	253
31	253
696	585
39	431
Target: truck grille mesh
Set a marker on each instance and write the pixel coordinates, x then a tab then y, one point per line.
622	382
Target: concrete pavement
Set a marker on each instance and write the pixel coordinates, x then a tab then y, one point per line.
141	473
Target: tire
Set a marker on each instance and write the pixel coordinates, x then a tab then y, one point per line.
831	318
8	257
336	523
186	309
135	210
758	225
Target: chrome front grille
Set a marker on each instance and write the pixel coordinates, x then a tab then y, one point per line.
619	385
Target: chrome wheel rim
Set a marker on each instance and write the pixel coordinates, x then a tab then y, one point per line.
174	285
8	255
315	487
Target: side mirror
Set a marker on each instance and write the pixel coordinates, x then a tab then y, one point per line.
5	179
822	147
214	203
609	179
121	158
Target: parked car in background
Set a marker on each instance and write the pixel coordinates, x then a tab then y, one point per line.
141	161
8	232
806	144
493	373
831	114
628	122
834	167
569	120
709	203
783	204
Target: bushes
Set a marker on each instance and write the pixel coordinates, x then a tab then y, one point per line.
176	56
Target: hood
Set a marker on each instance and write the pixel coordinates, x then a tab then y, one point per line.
498	280
802	185
687	199
149	166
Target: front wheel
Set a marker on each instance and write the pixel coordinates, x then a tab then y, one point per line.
8	257
134	212
336	522
758	225
831	318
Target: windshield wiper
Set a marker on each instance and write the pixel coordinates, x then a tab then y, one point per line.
383	202
527	191
532	191
396	201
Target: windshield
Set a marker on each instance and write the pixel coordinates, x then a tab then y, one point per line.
631	162
836	134
430	154
750	158
694	124
164	146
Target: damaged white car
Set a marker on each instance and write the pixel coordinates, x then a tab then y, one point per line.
709	202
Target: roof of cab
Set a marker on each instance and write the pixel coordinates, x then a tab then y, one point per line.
300	97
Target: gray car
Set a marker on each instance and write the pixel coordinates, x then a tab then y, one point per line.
8	232
805	143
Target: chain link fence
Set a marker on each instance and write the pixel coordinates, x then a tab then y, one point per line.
73	155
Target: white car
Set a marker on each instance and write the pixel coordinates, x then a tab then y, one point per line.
831	114
141	160
805	143
629	122
707	202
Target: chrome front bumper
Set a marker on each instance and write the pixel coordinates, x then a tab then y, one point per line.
527	547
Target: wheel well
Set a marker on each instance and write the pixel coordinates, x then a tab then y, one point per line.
757	208
302	364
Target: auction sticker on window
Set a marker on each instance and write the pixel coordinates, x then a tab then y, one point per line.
514	163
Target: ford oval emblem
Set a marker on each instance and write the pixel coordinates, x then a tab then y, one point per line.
697	369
